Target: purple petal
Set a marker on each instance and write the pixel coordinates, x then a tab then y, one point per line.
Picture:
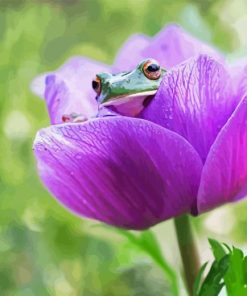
131	53
238	73
69	89
170	46
173	45
224	176
195	100
126	172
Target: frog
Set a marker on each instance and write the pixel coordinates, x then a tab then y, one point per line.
129	92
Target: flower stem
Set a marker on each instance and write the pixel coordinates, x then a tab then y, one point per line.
188	250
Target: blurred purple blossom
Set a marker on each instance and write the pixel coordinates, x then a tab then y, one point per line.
185	152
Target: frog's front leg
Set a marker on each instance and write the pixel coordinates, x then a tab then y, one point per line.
106	112
77	117
73	117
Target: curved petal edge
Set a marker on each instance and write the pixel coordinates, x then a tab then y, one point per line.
126	172
224	176
195	99
69	89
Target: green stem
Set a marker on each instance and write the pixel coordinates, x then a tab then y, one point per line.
188	250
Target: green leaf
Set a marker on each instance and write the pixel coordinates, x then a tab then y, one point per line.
245	270
235	277
217	248
229	269
213	282
198	279
227	247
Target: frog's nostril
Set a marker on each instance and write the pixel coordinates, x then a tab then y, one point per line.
108	84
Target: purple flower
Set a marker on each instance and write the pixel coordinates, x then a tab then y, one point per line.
185	152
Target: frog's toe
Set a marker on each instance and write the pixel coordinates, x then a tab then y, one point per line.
79	119
66	118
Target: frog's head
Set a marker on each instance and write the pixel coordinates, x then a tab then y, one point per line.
127	92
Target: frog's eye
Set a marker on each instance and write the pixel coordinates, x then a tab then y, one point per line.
152	70
96	85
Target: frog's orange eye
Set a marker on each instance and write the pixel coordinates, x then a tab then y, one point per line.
96	85
152	69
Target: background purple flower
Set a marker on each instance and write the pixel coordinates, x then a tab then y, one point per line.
184	154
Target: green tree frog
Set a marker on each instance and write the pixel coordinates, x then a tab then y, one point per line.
129	92
126	93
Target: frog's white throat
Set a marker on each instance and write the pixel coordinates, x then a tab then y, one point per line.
130	105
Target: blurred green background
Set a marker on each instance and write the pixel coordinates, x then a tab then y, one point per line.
44	250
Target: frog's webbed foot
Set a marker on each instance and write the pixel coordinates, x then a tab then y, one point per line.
73	117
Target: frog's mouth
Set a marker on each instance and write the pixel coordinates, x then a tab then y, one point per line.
130	105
